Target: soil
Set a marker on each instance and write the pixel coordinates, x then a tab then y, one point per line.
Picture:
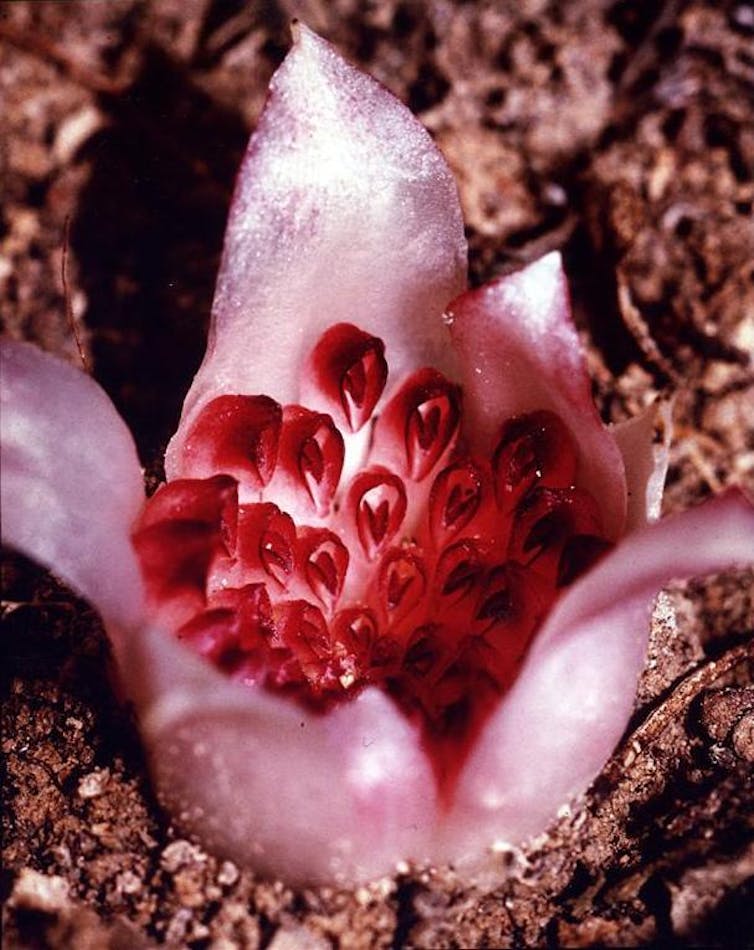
621	132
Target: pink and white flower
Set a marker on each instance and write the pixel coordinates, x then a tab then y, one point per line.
416	565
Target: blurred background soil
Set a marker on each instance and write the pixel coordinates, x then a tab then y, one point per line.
621	132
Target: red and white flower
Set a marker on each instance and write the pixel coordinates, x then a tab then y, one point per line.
393	599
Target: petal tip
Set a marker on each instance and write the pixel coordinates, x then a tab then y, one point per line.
337	170
541	286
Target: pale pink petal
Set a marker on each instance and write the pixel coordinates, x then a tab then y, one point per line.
342	797
344	211
519	351
71	482
572	701
644	443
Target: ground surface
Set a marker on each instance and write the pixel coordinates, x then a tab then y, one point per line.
621	132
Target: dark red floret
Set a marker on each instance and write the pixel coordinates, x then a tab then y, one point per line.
236	436
350	372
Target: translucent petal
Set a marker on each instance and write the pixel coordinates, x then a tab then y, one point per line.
519	351
344	211
571	702
313	798
644	442
71	483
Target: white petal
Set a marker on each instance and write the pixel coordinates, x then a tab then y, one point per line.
344	211
519	352
572	701
644	442
71	482
341	797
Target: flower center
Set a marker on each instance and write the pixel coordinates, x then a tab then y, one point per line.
317	551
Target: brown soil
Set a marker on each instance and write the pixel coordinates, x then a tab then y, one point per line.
619	131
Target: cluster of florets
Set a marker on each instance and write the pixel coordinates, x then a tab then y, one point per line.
316	552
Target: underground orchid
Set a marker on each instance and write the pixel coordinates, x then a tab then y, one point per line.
392	601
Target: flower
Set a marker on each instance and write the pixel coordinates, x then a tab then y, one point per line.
374	565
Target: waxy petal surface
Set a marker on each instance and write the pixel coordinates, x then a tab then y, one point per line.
313	798
570	704
71	482
519	351
344	211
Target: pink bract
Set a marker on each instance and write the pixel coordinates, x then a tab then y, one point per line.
345	213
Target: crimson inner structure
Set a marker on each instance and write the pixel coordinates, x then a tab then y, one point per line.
315	552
